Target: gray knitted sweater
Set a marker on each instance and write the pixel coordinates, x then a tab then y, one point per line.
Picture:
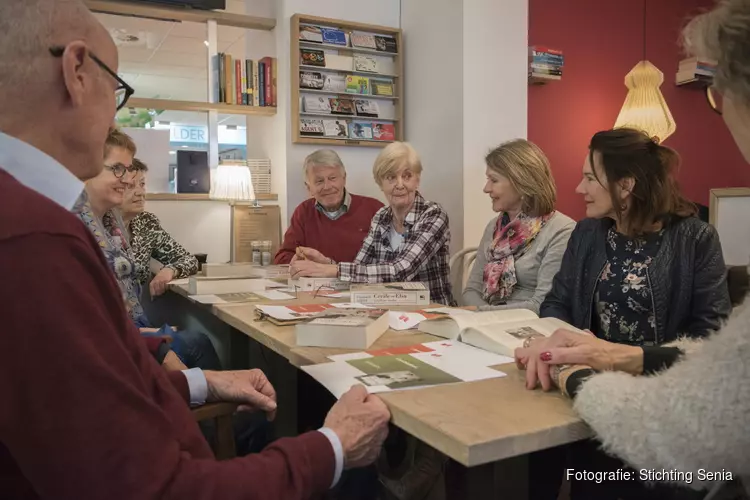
692	416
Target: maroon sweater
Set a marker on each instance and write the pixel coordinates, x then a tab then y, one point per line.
86	411
338	239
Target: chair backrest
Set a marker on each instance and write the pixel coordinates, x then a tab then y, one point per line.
461	264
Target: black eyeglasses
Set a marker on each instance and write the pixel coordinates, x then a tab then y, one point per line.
119	169
715	99
122	92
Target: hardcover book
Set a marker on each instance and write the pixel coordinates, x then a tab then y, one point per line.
310	34
313	284
312	57
341	106
334	36
357	85
363	40
311	80
335	83
343	328
336	128
311	127
366	107
383	132
385	44
316	104
365	63
360	131
382	87
391	294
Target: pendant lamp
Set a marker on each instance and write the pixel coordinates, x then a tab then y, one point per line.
645	107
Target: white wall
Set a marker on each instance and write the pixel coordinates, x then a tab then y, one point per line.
495	83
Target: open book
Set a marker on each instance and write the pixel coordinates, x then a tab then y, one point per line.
495	331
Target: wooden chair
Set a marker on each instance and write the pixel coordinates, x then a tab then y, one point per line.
221	413
461	264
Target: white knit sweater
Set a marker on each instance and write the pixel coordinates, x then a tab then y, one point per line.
695	415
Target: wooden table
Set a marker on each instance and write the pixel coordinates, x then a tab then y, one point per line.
475	424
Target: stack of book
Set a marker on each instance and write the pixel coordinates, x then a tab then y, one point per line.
545	63
245	82
695	70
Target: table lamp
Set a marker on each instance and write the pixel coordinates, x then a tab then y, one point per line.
233	183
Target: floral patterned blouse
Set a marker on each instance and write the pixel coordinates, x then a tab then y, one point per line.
624	306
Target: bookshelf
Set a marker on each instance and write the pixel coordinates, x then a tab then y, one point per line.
325	128
235	109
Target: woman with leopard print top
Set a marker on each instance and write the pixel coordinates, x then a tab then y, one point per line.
149	240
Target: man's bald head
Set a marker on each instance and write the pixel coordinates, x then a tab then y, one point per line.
63	102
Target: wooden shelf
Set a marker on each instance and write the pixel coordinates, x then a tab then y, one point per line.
308	67
347	94
341	141
354	50
331	116
166	13
232	109
202	197
346	25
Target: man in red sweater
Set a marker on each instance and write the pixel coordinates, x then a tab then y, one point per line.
332	220
86	411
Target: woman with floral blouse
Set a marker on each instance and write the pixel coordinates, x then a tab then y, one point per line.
149	240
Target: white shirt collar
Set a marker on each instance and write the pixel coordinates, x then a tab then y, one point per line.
38	171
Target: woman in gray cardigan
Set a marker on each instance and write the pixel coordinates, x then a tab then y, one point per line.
691	418
522	248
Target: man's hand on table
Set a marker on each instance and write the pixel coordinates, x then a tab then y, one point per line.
250	388
360	420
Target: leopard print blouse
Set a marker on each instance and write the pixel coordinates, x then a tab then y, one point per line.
149	240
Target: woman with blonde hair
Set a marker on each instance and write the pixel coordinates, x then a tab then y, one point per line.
408	238
522	248
690	417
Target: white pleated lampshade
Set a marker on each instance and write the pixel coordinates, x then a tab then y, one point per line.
645	107
232	182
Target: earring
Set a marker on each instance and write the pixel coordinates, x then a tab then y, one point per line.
623	207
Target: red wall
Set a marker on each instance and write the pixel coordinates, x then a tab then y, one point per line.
602	41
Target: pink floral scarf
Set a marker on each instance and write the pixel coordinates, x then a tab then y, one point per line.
509	242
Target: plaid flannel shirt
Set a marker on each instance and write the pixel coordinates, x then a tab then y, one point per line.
423	256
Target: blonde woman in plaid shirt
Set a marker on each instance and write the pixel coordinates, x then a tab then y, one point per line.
408	238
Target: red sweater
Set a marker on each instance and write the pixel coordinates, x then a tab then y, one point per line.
338	239
86	411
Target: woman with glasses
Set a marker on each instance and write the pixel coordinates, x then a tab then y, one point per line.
98	210
691	417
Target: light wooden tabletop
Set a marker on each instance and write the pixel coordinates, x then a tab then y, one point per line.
473	423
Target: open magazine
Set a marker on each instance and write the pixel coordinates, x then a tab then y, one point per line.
495	331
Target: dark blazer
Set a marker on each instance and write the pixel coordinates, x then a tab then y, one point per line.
687	278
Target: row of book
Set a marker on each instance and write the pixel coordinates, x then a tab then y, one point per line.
315	57
340	106
345	129
695	69
334	36
545	63
246	82
348	84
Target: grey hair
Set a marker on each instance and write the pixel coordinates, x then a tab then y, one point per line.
28	28
323	158
723	35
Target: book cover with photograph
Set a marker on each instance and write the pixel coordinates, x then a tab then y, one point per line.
400	371
363	40
383	132
311	80
341	106
312	57
357	85
311	127
382	87
360	131
334	36
310	34
366	107
385	44
365	63
316	104
335	83
336	128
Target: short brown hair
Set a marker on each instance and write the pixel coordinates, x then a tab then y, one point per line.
527	168
119	139
630	153
139	166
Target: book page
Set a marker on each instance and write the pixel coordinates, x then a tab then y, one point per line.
505	338
464	321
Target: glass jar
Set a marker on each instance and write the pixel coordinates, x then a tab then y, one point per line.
266	253
256	252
